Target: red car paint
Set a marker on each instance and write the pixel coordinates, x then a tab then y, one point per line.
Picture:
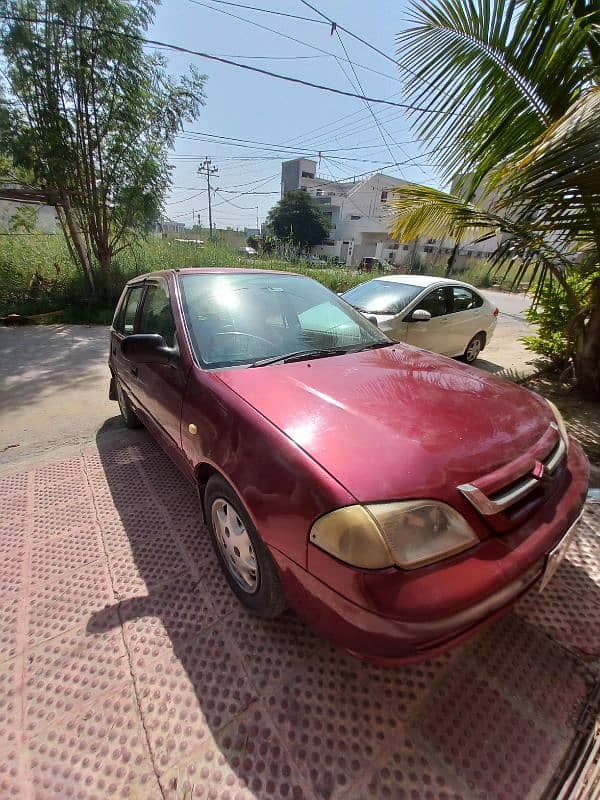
301	439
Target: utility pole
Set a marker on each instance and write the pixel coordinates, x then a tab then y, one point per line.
257	225
207	169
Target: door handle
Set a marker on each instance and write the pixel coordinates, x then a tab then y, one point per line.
134	371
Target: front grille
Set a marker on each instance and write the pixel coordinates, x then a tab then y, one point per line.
515	492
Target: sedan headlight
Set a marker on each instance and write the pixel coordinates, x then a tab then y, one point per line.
406	534
562	428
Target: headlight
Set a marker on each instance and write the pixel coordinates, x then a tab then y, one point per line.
562	428
407	534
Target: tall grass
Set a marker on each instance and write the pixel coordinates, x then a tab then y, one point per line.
37	274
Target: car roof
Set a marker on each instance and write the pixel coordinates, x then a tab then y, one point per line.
207	271
422	280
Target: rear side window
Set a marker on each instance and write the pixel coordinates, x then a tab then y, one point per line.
127	321
156	315
465	299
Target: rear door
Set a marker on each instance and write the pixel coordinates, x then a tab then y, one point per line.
161	386
465	320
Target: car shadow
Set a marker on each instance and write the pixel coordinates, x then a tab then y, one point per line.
232	701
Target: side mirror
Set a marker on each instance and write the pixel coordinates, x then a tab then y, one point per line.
372	319
420	315
148	348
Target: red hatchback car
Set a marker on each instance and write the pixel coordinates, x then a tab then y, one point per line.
396	499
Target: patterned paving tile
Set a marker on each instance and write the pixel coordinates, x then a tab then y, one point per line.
71	672
98	755
245	761
480	735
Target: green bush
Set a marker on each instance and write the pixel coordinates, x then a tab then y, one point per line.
552	316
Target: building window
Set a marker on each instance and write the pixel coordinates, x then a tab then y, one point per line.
308	174
354	216
303	188
430	241
329	243
319	192
469	252
405	247
428	249
384	196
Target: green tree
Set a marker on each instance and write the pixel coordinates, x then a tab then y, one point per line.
511	98
297	218
24	220
96	115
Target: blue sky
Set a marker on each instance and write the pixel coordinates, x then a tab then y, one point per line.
249	106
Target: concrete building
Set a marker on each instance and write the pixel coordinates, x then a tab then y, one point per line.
167	227
360	218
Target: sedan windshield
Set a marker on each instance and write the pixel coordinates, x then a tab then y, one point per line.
258	319
382	297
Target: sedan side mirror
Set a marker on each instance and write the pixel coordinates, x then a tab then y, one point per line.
420	315
148	348
373	319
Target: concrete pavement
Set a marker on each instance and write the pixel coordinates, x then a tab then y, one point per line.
128	669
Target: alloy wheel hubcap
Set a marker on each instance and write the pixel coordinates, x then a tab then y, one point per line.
474	349
235	545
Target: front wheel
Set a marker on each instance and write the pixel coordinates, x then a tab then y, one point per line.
244	558
474	348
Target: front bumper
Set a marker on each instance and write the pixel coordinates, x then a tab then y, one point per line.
393	617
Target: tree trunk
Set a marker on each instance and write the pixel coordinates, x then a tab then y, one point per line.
77	241
587	357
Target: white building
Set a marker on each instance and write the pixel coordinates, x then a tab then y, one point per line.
360	218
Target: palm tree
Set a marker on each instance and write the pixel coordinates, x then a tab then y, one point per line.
509	94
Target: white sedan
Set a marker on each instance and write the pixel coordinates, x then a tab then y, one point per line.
439	314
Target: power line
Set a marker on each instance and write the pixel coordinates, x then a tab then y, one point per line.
335	26
269	11
286	36
230	62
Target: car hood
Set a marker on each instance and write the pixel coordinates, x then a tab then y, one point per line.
396	422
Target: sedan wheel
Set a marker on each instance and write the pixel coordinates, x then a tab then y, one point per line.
235	545
243	556
474	348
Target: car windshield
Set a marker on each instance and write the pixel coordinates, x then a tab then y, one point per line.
382	297
239	319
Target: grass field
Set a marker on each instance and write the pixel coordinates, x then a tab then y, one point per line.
38	276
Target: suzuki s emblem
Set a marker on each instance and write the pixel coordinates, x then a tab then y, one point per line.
538	470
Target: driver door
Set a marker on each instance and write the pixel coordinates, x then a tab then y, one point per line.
432	334
161	386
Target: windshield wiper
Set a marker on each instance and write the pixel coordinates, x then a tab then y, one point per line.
371	346
300	355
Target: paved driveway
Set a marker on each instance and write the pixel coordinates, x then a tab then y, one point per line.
127	668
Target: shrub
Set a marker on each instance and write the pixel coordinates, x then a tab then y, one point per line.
552	316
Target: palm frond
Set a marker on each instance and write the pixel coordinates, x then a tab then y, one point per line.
558	181
522	246
504	69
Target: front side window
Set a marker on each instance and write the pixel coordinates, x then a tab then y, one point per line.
438	302
156	315
382	297
237	319
130	310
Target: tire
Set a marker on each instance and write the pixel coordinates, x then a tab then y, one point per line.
474	348
128	415
251	573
